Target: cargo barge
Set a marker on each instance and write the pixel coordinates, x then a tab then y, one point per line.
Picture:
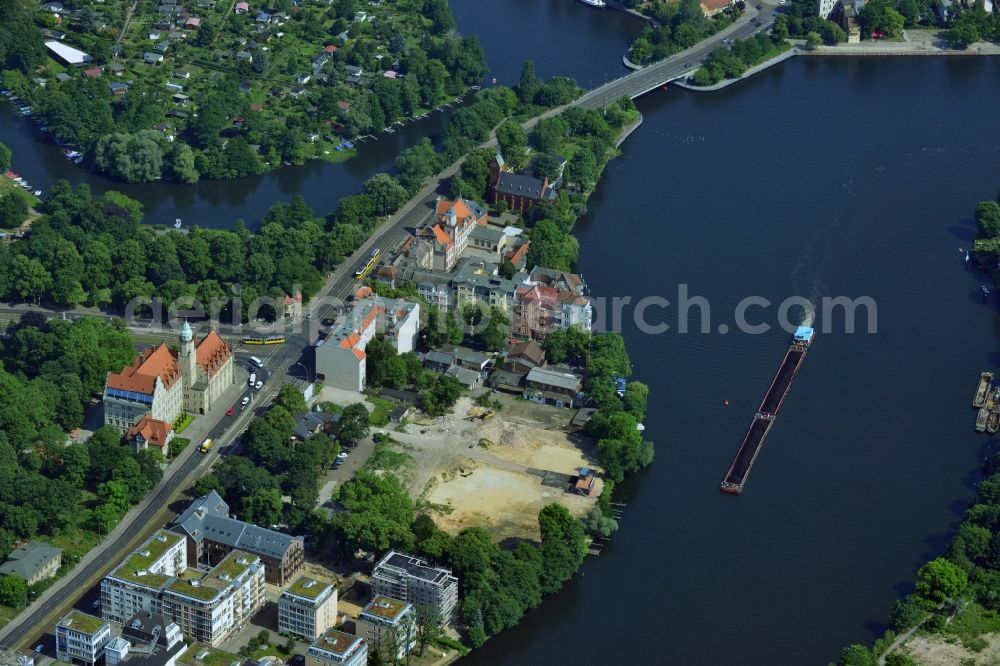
983	390
738	472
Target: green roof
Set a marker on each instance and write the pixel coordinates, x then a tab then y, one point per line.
308	588
211	656
208	586
139	561
80	621
385	608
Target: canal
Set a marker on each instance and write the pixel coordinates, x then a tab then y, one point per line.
818	178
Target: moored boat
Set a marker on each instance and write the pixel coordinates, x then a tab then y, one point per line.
993	422
983	390
594	3
981	419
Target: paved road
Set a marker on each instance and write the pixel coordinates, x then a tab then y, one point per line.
292	359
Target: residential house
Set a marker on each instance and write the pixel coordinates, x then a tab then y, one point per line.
388	625
81	638
303	78
118	88
162	46
336	648
193	23
353	70
93	71
212	534
399	414
182	74
534	309
523	357
116	68
117	50
242	7
297	92
448	234
33	562
573	308
308	424
472	360
551	386
292	307
340	359
713	7
517	190
151	58
148	432
414	580
587	484
63	77
477	281
307	609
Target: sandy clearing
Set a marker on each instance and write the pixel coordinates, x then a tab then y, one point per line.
933	650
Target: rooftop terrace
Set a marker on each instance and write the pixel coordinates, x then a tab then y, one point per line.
385	608
80	621
308	588
145	556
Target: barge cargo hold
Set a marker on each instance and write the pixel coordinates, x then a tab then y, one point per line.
738	472
983	390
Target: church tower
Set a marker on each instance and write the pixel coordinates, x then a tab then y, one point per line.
186	358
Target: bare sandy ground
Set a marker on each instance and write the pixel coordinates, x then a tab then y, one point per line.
475	469
933	650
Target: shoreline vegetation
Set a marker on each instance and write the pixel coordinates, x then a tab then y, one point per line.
956	597
94	250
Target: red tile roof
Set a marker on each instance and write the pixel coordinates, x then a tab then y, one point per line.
154	431
343	106
440	235
330	48
295	298
517	255
141	375
350	341
212	353
93	71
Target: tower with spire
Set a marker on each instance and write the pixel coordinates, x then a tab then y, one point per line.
187	357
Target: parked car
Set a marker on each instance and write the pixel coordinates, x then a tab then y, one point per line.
245	401
230	411
39	647
342	455
259	385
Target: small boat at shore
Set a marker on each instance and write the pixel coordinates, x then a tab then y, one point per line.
993	423
178	223
595	3
981	419
986	291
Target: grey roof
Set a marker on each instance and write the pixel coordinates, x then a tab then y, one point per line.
523	186
550	377
309	422
470	356
487	233
29	559
208	517
464	376
443	358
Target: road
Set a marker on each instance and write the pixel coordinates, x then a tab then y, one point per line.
295	357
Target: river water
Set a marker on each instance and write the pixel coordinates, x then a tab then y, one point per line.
818	178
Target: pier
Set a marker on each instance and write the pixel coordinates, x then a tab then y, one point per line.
763	420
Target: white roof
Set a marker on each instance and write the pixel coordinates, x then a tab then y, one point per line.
512	231
68	53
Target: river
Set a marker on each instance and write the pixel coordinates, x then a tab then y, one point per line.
818	178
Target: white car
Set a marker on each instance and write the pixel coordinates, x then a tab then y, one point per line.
259	385
245	401
39	647
342	455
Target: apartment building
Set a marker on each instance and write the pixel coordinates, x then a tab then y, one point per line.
211	607
408	578
340	359
336	648
135	585
148	639
81	638
212	534
552	386
207	606
389	626
307	609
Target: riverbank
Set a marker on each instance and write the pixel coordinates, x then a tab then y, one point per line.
756	69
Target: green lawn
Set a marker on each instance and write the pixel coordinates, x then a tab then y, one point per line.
380	415
7	186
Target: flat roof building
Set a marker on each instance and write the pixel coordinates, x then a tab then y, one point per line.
337	647
414	580
389	626
307	609
81	637
66	54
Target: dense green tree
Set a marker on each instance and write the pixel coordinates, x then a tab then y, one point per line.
940	579
6	155
528	85
13	591
378	513
131	157
13	210
354	422
385	192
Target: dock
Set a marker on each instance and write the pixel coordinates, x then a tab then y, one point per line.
763	420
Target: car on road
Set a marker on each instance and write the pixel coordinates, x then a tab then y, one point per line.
259	385
686	65
230	411
781	2
309	315
245	401
39	647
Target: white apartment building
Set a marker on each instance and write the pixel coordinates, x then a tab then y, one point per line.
81	637
207	606
411	579
336	648
307	609
135	586
340	358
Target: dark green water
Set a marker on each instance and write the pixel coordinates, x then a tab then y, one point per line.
818	178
